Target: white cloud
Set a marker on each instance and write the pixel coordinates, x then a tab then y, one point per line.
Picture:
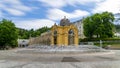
108	5
14	7
15	12
83	2
35	24
57	14
53	3
62	3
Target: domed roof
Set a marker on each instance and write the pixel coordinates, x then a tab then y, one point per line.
65	22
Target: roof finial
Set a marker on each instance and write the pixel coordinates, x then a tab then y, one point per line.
64	17
54	23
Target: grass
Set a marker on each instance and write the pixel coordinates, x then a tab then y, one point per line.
112	45
115	46
113	42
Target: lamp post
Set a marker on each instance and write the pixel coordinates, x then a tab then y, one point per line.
100	44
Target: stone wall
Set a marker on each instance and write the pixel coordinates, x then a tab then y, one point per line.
44	39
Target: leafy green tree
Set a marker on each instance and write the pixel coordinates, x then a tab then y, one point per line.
8	34
25	34
88	27
99	24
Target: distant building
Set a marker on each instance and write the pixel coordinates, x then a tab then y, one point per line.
117	34
79	25
23	42
63	34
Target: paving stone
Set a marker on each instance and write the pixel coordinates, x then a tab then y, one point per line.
13	59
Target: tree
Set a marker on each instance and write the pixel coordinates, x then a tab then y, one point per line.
99	24
8	34
25	34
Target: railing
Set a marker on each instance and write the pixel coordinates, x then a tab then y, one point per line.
67	49
92	42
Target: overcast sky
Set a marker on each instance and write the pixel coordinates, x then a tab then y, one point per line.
38	13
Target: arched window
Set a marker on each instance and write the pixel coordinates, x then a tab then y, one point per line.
71	32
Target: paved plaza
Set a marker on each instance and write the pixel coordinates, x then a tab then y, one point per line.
32	58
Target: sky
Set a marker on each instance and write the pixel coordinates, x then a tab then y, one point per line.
35	14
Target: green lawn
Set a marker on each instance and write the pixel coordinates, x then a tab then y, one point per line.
115	46
112	45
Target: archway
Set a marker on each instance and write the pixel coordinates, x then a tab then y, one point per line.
70	37
55	37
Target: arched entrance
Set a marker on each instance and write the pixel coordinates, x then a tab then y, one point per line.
55	37
70	37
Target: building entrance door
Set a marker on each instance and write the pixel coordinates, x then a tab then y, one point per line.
70	37
55	37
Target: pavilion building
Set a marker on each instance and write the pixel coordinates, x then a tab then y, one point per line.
63	34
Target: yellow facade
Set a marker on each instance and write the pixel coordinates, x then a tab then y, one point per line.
63	35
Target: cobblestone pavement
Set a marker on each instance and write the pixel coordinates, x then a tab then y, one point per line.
16	59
